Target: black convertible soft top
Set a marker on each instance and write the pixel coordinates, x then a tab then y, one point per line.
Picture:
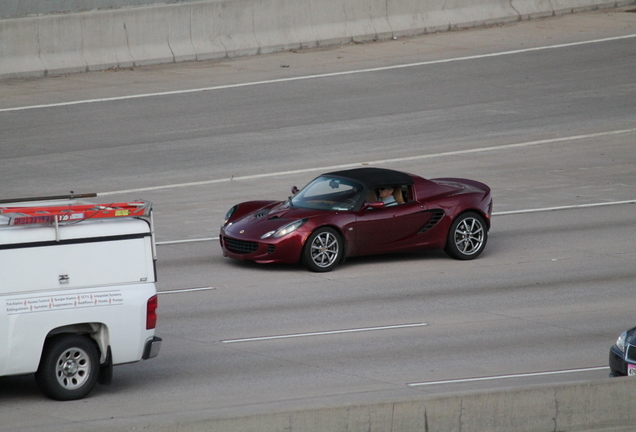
374	177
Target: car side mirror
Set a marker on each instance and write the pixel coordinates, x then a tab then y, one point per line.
294	190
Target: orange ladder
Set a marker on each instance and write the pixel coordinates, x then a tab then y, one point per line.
74	212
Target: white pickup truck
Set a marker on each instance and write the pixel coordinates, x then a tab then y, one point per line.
77	290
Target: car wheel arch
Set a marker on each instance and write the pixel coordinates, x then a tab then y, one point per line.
322	230
480	212
343	238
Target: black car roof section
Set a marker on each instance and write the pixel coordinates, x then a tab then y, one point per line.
374	177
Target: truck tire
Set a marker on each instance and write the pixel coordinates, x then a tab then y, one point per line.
69	367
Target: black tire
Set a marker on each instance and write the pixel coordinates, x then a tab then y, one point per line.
323	250
467	236
69	367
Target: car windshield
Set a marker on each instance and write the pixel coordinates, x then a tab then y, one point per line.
328	193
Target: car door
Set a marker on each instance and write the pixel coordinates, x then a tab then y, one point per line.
388	228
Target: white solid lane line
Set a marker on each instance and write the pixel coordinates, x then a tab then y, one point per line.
376	162
521	375
326	75
570	207
179	291
168	242
324	333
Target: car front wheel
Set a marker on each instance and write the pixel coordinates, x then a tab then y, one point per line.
69	367
323	250
467	237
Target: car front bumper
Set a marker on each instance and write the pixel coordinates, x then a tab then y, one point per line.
285	250
619	365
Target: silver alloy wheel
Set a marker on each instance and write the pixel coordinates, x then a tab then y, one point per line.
324	249
73	368
469	236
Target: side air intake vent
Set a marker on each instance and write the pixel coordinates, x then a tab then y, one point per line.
436	216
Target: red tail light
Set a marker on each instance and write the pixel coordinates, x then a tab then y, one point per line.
151	313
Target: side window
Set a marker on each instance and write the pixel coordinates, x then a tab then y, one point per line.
372	196
400	193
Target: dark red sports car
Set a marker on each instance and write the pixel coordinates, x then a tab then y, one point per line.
361	211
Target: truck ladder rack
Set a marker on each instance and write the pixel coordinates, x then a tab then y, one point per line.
54	214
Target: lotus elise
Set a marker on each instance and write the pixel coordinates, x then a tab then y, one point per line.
349	213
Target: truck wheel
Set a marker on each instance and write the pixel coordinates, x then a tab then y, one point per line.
69	367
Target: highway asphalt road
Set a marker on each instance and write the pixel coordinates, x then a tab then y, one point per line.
543	111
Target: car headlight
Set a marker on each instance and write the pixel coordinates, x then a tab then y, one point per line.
285	229
229	214
620	342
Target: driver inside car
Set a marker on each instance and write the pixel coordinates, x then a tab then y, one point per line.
385	194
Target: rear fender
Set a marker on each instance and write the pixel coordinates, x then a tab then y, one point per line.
458	182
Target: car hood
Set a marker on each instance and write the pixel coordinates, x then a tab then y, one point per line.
631	336
267	219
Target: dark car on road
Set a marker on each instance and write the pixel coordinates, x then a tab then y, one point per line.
349	213
622	356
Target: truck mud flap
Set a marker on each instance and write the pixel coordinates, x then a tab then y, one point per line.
105	376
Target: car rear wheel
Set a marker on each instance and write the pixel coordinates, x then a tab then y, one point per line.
467	237
69	367
323	250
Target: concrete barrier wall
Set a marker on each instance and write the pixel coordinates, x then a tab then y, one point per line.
24	8
592	405
96	40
